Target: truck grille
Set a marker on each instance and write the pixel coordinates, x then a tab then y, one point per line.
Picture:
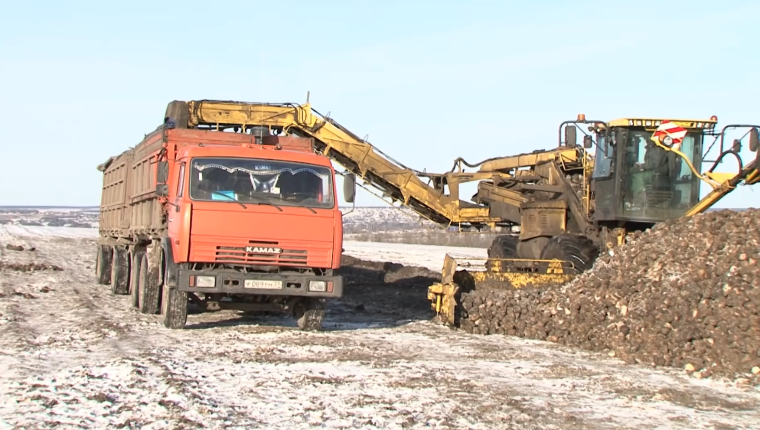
257	252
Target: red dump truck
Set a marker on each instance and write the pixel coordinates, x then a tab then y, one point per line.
221	220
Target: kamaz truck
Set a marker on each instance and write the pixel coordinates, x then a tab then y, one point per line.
221	219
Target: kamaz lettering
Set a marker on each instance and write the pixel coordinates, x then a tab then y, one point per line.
262	250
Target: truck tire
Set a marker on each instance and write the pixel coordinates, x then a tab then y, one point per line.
103	260
310	313
134	278
148	287
120	271
174	307
579	250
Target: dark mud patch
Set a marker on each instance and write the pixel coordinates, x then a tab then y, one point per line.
391	289
29	267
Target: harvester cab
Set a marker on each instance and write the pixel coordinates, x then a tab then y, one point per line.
573	205
649	170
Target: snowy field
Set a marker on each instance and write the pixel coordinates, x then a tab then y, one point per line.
74	356
430	257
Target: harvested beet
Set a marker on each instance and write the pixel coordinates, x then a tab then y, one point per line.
684	294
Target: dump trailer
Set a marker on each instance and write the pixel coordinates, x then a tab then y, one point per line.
569	203
221	220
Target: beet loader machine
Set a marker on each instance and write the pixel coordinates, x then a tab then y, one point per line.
568	203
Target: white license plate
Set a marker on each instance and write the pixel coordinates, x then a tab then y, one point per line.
263	285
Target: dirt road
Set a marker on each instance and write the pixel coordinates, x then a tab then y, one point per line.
74	356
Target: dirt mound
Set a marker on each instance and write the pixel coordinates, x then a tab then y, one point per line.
684	294
18	248
29	267
381	289
357	271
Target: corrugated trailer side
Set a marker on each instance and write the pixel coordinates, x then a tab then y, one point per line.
145	209
130	213
114	221
114	205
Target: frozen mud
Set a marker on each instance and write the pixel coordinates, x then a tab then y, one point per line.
74	356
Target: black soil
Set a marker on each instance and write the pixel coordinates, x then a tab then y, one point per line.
387	288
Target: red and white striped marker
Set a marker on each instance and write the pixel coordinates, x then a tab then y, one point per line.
669	134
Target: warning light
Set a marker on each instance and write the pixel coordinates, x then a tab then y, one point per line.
713	118
581	117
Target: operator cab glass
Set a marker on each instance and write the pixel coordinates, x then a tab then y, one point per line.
658	184
246	180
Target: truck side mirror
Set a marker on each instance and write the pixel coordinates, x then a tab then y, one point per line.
162	190
349	187
162	174
753	139
571	140
587	142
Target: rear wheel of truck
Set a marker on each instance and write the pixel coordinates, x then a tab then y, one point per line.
134	278
148	287
103	259
310	313
174	307
120	271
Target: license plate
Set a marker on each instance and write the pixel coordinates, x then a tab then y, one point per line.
262	285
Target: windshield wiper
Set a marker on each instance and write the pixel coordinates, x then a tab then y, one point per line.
307	207
231	198
260	201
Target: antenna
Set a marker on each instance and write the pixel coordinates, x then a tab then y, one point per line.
307	96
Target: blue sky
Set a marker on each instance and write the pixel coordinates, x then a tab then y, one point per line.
427	81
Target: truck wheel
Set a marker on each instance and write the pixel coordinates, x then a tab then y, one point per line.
148	287
310	313
174	307
103	260
134	278
120	271
579	250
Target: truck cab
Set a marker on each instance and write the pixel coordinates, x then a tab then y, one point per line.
222	220
256	227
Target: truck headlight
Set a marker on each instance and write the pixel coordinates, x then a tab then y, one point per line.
320	286
205	281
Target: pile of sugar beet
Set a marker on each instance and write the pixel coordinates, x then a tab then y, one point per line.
685	294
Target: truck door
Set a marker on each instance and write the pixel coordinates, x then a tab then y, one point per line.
179	216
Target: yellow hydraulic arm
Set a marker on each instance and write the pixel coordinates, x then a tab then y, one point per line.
749	174
724	182
396	181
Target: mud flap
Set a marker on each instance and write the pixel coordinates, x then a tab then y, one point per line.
310	313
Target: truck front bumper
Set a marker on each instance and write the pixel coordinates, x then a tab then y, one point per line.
233	282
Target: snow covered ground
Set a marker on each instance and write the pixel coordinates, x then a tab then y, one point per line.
430	257
72	355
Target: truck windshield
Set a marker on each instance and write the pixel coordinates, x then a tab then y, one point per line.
281	183
659	184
